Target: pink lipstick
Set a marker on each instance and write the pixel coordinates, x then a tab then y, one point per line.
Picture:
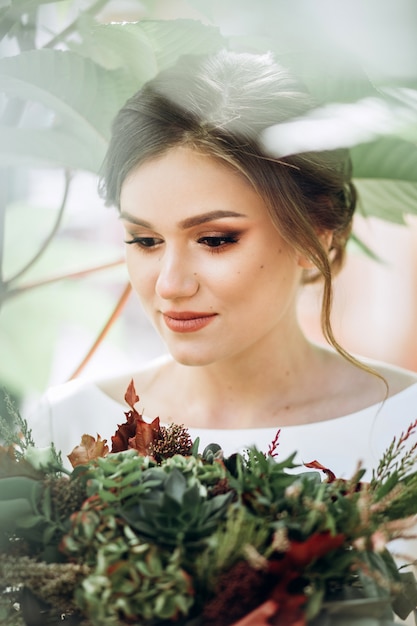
187	321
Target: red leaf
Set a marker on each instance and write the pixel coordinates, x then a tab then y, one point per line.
124	432
259	617
135	433
291	566
331	477
301	553
290	608
131	396
146	434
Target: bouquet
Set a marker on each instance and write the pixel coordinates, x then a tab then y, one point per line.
154	532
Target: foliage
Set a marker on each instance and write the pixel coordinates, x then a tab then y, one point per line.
200	539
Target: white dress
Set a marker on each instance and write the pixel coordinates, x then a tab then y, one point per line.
68	411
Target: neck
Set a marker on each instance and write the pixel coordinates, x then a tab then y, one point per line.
236	392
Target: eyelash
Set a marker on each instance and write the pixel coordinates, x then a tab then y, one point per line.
222	242
144	243
215	243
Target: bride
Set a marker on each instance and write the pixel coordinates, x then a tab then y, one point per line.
220	237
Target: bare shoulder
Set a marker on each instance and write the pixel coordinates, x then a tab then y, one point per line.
349	388
144	379
397	378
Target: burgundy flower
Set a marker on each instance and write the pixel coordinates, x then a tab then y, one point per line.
135	433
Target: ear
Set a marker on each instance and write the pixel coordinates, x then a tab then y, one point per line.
326	239
304	262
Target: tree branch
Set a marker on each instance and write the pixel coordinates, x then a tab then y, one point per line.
113	317
11	293
51	235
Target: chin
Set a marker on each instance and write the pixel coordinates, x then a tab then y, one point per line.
193	358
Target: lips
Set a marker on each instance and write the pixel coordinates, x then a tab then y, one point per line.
187	321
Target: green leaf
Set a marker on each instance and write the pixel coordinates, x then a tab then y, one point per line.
48	148
387	199
406	599
83	96
139	50
124	47
216	506
46	503
330	78
385	158
173	38
13	510
176	485
385	173
19	487
30	521
375	562
191	498
48	534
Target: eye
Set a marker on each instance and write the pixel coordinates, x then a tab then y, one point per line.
144	242
218	241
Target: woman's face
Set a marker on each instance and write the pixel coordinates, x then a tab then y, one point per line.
212	272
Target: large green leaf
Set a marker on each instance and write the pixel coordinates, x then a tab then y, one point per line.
387	199
330	78
124	47
83	96
385	173
385	169
387	157
49	148
140	49
174	38
380	36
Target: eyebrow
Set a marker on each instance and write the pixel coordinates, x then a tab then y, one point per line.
189	222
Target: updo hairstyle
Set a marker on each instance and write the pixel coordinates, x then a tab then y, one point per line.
221	105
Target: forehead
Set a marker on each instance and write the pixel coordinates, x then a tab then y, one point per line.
185	158
188	180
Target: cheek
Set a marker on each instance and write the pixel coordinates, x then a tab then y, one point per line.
131	266
242	281
277	273
140	273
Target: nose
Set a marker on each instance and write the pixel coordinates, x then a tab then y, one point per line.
176	277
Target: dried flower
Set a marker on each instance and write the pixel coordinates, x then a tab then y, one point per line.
174	439
89	449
